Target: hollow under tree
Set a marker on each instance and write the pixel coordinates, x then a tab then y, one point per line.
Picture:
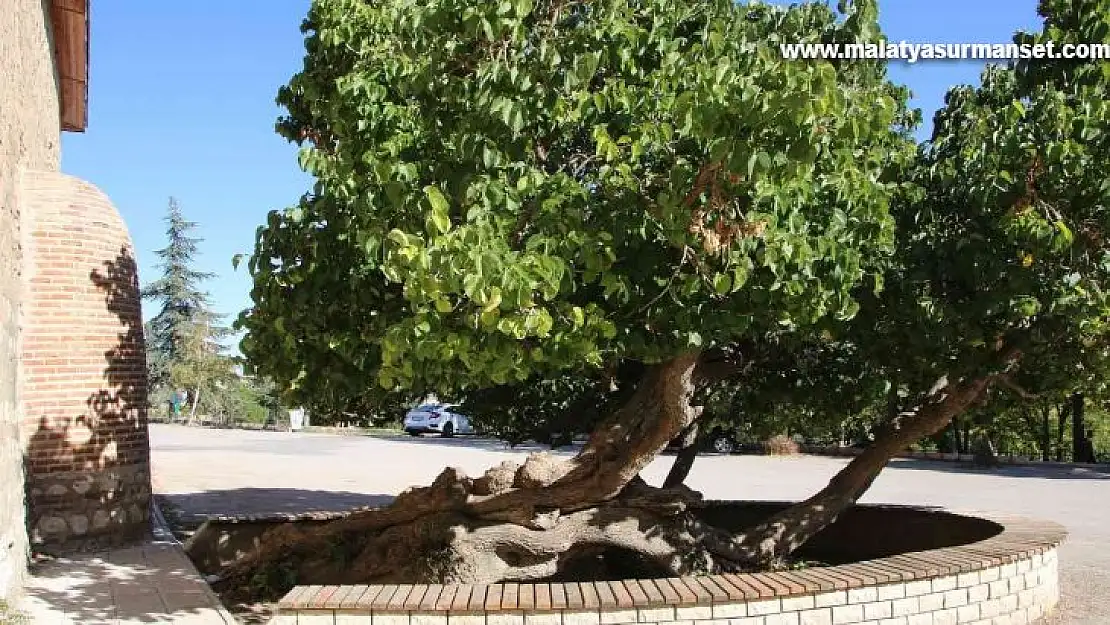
509	190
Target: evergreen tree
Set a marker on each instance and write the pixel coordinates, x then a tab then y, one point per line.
183	339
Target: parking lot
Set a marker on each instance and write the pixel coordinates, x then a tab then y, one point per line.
212	472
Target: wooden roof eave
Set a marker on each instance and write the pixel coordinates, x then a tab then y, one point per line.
70	24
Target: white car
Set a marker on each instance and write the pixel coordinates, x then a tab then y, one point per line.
437	418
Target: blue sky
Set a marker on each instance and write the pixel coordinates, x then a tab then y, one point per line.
181	103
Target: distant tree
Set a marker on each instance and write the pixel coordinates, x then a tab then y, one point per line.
184	349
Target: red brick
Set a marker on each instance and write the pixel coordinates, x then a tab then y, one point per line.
382	599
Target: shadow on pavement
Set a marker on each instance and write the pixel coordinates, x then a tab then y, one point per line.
1049	473
194	508
151	583
478	442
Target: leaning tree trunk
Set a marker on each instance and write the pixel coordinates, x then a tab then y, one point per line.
516	522
770	541
684	461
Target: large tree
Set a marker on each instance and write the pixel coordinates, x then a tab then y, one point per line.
645	198
517	192
1002	266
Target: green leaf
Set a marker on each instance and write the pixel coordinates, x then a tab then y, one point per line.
441	222
578	316
494	300
722	283
436	198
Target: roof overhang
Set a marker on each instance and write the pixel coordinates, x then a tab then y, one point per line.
70	22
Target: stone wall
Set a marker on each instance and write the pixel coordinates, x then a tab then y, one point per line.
29	131
84	397
1009	579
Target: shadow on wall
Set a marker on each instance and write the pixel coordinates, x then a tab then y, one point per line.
87	469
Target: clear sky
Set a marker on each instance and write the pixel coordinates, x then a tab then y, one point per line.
181	103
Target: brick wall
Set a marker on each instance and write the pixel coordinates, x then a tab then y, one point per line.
28	140
84	367
1009	579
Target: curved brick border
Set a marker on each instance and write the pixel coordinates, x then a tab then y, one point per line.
1008	579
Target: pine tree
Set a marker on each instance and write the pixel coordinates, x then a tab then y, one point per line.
183	339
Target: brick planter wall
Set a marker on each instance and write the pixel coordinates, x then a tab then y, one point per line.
1008	579
84	371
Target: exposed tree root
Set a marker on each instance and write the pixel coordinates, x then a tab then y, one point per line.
534	520
658	525
514	522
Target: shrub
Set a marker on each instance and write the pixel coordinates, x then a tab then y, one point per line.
781	445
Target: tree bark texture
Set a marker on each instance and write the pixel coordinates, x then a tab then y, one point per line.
535	520
684	461
516	522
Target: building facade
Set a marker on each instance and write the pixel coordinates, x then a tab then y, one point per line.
73	446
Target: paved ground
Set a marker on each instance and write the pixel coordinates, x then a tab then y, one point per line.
220	471
152	583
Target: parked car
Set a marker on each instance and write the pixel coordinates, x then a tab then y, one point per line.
438	419
721	438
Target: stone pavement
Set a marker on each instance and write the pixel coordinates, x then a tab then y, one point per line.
149	583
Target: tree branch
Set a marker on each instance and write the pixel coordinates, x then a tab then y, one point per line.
1009	383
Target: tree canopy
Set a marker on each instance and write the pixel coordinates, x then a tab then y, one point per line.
509	190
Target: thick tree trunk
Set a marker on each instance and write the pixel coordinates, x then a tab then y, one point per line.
770	541
687	453
196	400
1046	434
516	522
1078	432
1061	427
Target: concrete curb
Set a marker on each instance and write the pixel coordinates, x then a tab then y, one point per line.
162	534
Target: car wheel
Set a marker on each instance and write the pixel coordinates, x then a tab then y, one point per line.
723	445
448	430
412	432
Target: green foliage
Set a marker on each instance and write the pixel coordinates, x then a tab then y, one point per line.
519	191
1000	244
1000	238
550	411
242	400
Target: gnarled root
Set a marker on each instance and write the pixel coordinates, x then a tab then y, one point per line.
657	526
516	521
